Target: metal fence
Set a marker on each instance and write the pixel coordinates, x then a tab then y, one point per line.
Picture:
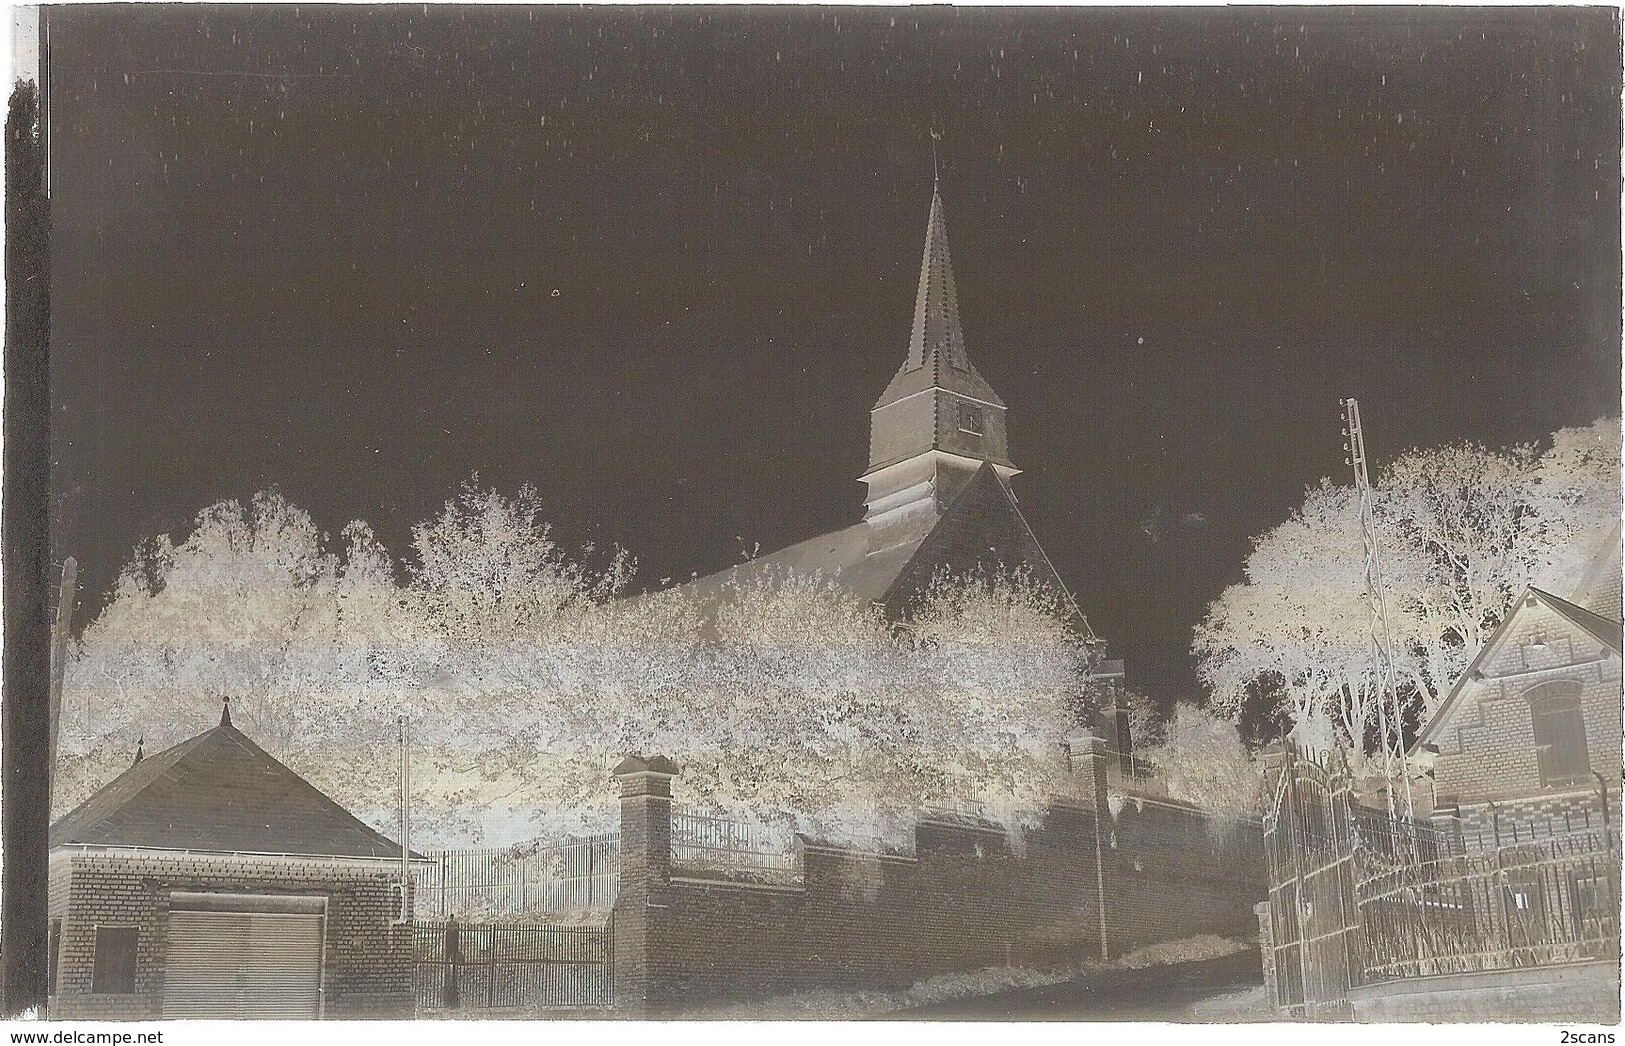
702	842
1543	905
581	875
473	966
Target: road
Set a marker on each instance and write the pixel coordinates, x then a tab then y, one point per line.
1151	993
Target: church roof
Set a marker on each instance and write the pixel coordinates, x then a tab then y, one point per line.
218	792
936	349
981	528
845	557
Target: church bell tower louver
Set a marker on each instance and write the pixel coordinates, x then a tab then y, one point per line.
939	420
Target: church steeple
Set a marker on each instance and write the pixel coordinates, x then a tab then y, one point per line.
937	336
939	419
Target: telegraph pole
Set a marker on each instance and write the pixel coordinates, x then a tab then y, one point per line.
1382	644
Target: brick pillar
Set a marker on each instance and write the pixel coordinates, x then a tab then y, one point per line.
641	907
1446	822
1086	755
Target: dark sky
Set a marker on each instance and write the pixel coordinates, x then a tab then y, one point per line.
660	263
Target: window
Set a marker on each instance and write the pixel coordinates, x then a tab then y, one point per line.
970	418
1559	729
115	961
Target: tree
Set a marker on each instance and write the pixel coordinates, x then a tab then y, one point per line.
1201	760
527	673
250	608
1463	530
1301	621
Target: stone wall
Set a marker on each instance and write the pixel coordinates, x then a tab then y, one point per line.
367	956
1583	994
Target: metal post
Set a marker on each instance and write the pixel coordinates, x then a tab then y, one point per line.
1607	829
406	825
451	983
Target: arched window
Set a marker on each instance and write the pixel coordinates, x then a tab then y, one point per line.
1560	734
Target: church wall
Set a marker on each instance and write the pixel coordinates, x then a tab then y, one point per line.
991	444
902	429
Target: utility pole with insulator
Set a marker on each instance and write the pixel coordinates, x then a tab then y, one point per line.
1382	644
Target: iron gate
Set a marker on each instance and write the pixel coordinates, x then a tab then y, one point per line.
1314	922
488	966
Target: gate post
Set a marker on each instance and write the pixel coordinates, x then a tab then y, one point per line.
1266	951
641	908
1086	753
451	980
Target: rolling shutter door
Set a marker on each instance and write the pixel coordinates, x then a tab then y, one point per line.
260	965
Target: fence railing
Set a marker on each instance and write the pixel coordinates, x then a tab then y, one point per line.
581	875
472	966
704	842
1540	905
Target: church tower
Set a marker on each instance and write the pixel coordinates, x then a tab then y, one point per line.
939	501
939	420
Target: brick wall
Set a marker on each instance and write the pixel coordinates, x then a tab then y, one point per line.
1487	751
367	958
970	896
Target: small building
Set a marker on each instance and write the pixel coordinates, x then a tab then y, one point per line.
1528	741
210	881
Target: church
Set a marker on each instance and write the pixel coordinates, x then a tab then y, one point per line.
939	473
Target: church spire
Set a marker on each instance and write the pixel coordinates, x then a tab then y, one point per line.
937	337
938	420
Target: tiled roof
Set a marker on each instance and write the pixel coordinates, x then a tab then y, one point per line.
1600	628
982	527
218	792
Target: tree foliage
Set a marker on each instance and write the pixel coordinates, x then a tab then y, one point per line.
526	673
1200	759
1463	530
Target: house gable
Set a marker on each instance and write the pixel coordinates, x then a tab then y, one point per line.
1486	732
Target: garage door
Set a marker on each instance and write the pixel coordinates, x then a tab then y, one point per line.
244	956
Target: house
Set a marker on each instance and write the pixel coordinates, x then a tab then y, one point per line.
1527	742
209	880
1508	909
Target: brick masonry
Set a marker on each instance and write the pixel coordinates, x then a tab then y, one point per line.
367	956
970	896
